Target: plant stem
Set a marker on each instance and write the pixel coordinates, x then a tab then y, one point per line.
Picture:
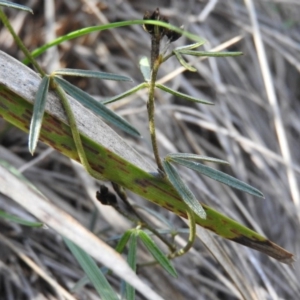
155	63
167	57
155	47
187	247
81	153
75	133
121	193
20	43
192	236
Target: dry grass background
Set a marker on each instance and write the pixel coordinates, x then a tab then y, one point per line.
254	125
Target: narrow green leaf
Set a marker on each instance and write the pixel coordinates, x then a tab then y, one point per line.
183	62
157	253
92	271
98	108
178	94
131	259
125	94
14	5
189	47
123	290
15	219
92	74
210	54
88	30
185	193
38	113
190	156
145	68
219	176
123	241
19	175
80	284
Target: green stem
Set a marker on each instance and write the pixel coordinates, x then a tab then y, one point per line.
155	63
155	46
167	57
192	236
121	193
75	133
81	153
20	43
187	247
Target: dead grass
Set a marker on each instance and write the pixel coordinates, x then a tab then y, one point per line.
254	125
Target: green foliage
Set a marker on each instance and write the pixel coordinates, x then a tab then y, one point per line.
38	113
182	189
215	174
131	259
125	94
168	173
15	219
14	5
181	95
145	68
91	269
97	107
157	253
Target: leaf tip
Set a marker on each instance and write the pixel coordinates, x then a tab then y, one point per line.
31	150
258	193
31	145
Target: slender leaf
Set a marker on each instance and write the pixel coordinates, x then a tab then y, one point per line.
178	94
210	54
92	271
80	284
88	30
92	74
15	5
131	259
157	253
125	94
19	175
185	193
84	280
219	176
98	108
145	68
190	156
123	241
189	47
15	219
38	113
183	62
123	290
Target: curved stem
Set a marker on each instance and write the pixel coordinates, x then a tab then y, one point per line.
155	63
81	153
187	247
192	236
121	193
75	133
20	43
167	57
